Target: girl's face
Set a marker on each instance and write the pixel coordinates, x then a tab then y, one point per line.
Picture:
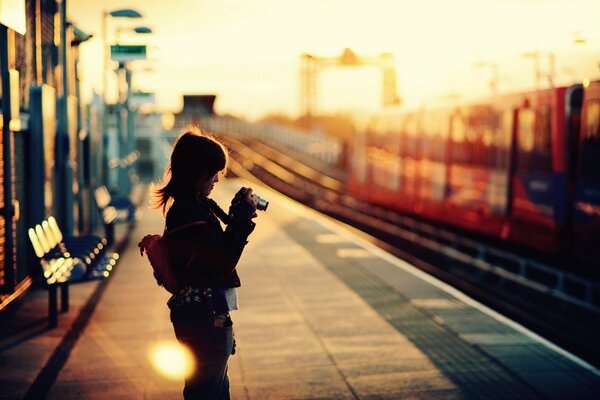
205	187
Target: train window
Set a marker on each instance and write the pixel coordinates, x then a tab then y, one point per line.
436	147
503	138
507	127
482	126
413	137
440	140
488	145
412	124
432	123
391	129
525	139
573	129
476	147
526	125
592	121
590	150
457	134
458	128
534	141
427	134
410	136
542	155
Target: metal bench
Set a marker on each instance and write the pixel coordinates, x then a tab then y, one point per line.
114	210
68	260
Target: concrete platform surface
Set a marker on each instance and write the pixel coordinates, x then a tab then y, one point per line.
323	315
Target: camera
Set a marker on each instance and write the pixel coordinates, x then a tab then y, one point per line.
261	204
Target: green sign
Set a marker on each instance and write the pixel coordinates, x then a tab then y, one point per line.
139	98
127	52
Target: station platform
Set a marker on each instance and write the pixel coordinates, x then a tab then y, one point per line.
323	315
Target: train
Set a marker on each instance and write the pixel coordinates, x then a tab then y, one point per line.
521	168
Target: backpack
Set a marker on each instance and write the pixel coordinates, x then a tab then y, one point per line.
158	255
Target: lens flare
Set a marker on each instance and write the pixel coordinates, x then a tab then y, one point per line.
172	360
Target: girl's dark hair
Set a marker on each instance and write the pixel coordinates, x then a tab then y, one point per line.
195	155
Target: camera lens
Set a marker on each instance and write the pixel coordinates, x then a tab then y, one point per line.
261	204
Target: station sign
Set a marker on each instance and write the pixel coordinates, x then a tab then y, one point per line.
12	15
123	53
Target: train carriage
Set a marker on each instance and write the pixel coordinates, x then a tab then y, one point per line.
504	167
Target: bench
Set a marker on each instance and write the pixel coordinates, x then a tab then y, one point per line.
114	210
68	260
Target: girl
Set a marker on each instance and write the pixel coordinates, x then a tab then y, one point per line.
204	258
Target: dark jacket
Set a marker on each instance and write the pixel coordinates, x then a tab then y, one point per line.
205	256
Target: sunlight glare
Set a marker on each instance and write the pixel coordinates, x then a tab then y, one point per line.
172	360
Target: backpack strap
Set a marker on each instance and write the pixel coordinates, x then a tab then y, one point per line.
184	226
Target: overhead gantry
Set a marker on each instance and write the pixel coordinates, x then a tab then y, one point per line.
311	66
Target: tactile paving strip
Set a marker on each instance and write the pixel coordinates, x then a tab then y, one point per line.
473	371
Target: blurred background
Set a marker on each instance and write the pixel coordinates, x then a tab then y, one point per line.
248	52
476	122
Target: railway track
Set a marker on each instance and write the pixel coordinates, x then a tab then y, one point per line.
555	303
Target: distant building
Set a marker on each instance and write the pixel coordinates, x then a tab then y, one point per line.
153	145
195	107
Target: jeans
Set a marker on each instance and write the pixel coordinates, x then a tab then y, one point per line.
211	347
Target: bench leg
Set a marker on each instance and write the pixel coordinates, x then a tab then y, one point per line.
64	297
109	230
52	307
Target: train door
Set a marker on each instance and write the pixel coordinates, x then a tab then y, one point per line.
573	106
498	159
432	171
586	217
392	148
488	185
409	156
358	163
383	159
536	180
460	153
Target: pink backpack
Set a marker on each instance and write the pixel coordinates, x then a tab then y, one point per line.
158	255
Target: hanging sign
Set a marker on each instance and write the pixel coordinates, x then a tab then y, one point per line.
139	98
123	53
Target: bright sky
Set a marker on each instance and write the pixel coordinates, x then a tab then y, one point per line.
248	51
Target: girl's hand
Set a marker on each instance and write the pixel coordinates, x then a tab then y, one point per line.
251	199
